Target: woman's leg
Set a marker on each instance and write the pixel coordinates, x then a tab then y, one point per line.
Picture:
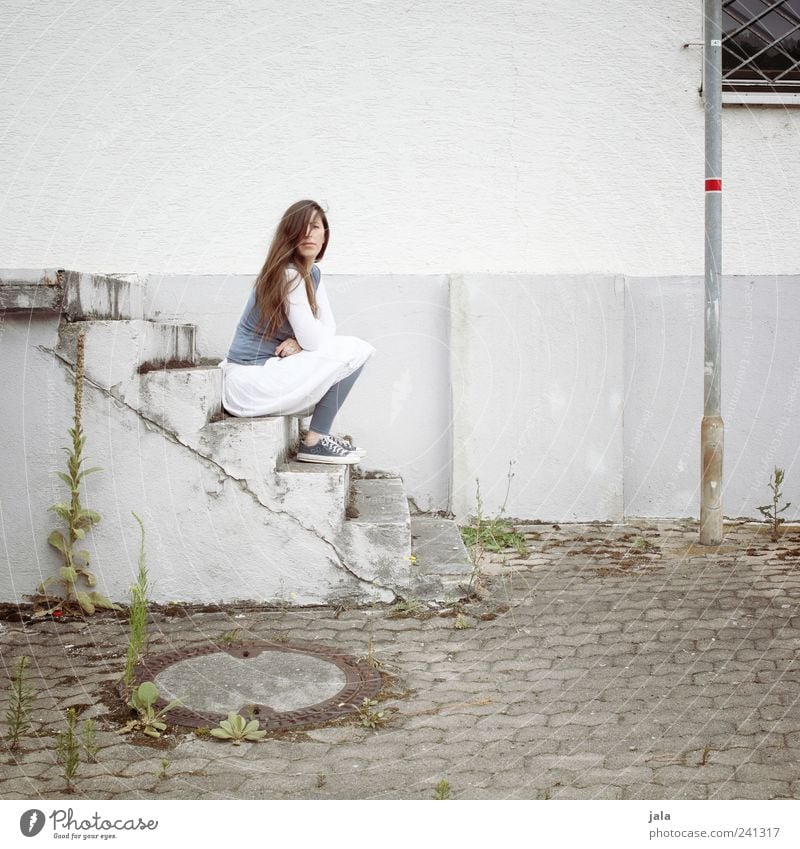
328	406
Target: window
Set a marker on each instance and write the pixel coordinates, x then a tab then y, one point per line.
761	50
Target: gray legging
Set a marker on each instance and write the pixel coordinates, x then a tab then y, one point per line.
328	406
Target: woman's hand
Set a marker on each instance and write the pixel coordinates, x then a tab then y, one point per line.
288	347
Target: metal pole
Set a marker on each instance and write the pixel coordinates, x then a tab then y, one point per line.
712	429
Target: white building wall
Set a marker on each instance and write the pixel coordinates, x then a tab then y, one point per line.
399	410
664	393
450	137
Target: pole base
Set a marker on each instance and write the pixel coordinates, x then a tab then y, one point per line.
712	432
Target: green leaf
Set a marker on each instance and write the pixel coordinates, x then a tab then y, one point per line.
80	533
62	509
85	602
56	539
147	693
221	733
66	478
89	471
101	601
83	554
87	518
173	704
68	574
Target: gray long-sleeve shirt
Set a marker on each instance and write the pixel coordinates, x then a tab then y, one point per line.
249	348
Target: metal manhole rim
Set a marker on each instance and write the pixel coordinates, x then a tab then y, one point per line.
361	682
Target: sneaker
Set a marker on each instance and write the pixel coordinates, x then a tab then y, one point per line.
348	446
326	451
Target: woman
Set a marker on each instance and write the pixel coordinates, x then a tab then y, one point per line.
285	356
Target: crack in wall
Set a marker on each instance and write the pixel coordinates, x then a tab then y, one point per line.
153	425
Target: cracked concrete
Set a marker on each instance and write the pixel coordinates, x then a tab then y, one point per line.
337	558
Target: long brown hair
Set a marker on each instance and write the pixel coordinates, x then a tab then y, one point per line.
273	283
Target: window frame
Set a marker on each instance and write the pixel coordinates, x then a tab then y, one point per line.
760	88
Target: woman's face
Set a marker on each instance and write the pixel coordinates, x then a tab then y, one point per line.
311	243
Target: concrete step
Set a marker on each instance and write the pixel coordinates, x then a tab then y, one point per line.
182	400
249	449
316	493
377	543
78	296
442	566
116	351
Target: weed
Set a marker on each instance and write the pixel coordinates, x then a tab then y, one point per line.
18	714
371	718
643	544
442	790
236	728
277	637
137	616
491	534
162	774
77	518
90	740
410	606
461	623
369	658
706	753
227	638
322	780
68	750
771	512
142	700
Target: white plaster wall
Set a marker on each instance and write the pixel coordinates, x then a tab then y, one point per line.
450	137
399	410
664	393
537	376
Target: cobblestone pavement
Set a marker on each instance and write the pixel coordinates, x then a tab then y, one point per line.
610	662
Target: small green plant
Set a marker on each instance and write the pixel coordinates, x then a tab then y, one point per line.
771	512
408	606
137	615
277	637
495	534
78	520
705	755
68	749
90	740
643	544
142	700
18	715
227	638
461	623
369	658
236	728
371	718
162	774
442	791
322	780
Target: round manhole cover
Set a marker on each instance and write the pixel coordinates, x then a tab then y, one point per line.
283	685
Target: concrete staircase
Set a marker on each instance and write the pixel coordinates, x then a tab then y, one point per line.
353	531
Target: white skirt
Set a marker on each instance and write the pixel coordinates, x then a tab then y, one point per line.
284	386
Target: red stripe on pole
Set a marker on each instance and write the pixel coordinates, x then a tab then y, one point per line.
713	185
